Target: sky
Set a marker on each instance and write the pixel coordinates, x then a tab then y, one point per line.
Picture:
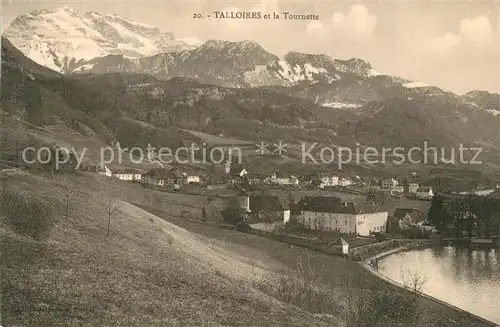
452	44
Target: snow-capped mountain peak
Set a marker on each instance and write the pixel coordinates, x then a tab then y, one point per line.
61	39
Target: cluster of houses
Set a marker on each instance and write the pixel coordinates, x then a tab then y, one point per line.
316	213
394	187
326	214
237	175
159	177
220	179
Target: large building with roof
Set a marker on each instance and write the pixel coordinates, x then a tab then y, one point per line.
335	214
265	208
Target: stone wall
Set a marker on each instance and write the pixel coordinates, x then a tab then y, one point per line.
371	249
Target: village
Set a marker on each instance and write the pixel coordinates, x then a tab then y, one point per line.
326	207
320	206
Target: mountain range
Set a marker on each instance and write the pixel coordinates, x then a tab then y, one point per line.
95	43
63	40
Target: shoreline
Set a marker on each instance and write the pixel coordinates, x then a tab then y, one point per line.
366	264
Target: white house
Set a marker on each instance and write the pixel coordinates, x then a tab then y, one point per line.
161	177
277	179
394	190
345	246
424	193
390	183
328	181
412	188
333	214
407	217
128	175
479	192
345	182
288	181
193	179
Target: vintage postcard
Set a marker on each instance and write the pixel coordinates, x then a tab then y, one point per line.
250	163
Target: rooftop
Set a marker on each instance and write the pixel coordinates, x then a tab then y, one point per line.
336	205
217	178
127	171
164	173
267	202
414	214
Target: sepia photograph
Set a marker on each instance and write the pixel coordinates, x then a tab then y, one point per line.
250	163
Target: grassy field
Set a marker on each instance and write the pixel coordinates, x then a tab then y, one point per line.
160	269
148	272
333	272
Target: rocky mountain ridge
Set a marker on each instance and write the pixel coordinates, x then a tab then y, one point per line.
63	40
93	43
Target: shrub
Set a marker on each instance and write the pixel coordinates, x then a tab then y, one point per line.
385	307
233	213
381	305
27	214
301	287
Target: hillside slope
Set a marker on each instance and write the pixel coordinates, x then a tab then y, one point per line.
147	272
168	271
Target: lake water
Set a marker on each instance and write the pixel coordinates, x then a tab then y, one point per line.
468	279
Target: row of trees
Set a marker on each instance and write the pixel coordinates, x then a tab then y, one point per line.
470	215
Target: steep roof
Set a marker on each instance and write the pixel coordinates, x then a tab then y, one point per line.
164	173
336	205
267	202
414	214
127	171
279	174
236	169
326	175
320	203
190	170
255	176
217	178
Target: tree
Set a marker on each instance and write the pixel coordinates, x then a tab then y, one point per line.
461	216
377	198
294	205
245	184
69	193
380	305
111	206
233	213
203	214
484	207
33	98
437	214
406	185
